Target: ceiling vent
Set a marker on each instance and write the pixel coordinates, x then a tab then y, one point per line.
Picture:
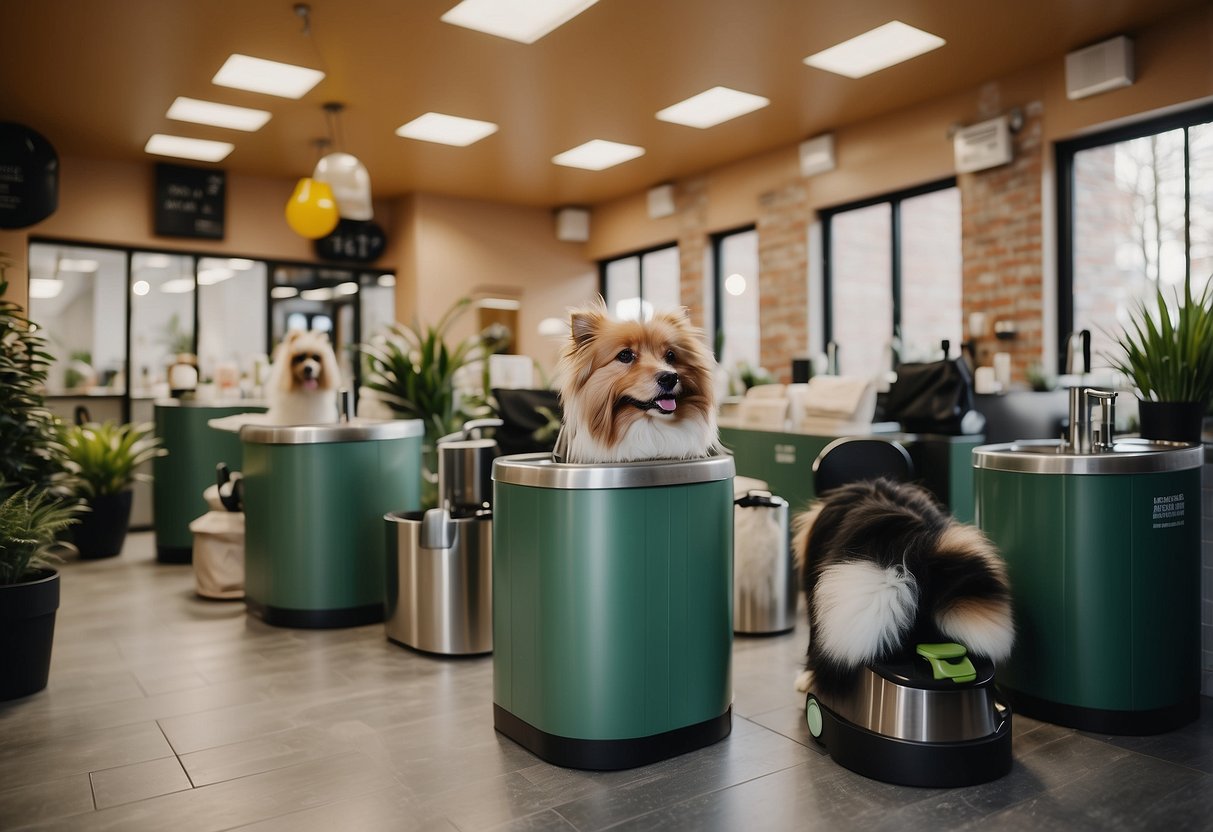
1099	68
984	145
573	225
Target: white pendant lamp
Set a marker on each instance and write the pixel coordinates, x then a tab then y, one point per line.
344	173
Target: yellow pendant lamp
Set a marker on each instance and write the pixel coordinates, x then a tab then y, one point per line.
312	210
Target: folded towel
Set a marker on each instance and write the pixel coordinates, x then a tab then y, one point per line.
840	397
767	414
832	427
765	391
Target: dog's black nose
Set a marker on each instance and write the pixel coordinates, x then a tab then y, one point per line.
666	381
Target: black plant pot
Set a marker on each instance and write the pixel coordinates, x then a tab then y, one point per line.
27	630
1175	421
102	530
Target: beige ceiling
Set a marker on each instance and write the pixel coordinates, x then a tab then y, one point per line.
97	76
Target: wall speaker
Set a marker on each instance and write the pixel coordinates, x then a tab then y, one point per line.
817	155
661	201
1099	68
984	145
573	225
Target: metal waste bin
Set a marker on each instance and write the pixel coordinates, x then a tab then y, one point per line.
1103	553
314	500
764	576
440	562
612	608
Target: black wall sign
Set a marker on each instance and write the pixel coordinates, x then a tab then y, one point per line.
352	241
190	202
29	176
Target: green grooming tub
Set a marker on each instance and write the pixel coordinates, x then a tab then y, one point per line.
1103	551
612	608
314	501
194	449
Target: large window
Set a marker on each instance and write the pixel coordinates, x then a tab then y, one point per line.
1136	206
737	335
115	319
639	284
893	277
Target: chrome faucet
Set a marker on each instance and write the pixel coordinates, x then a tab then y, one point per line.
1083	437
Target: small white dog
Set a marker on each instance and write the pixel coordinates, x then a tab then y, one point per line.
304	381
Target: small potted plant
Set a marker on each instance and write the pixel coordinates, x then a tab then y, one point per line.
412	371
30	521
102	460
1168	354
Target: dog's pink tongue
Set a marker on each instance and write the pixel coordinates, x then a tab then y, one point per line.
667	405
310	384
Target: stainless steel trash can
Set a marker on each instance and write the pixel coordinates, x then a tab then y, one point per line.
764	579
440	584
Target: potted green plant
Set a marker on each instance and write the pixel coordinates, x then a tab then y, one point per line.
103	460
1168	354
30	521
27	427
412	371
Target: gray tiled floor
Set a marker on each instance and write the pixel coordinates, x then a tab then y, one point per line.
165	711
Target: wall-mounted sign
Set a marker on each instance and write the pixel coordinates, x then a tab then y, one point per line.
190	202
29	176
352	241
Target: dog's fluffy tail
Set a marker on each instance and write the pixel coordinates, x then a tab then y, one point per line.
862	610
972	602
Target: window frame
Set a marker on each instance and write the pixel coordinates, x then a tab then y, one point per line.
1064	153
639	254
894	199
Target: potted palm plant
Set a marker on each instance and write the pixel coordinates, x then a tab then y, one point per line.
30	521
32	512
103	460
1168	353
412	371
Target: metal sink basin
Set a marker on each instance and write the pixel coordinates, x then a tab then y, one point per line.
1051	456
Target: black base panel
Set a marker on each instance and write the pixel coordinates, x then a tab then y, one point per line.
611	755
421	652
1101	721
933	765
175	554
316	619
763	633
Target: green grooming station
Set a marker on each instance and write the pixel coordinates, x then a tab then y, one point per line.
612	608
194	449
314	501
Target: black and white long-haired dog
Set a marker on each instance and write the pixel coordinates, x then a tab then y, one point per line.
884	567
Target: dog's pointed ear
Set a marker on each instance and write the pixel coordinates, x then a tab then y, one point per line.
584	325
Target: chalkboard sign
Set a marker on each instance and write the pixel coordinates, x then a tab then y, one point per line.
29	176
190	201
352	241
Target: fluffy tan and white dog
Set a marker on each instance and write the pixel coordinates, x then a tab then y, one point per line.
303	381
634	390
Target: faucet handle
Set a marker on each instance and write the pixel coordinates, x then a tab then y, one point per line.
1107	421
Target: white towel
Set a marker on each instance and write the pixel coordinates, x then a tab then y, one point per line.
764	413
765	391
840	397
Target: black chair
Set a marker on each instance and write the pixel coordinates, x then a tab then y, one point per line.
852	459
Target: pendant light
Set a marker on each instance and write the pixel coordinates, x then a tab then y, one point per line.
344	173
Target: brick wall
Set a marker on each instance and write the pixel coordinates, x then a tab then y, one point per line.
783	290
1001	248
691	197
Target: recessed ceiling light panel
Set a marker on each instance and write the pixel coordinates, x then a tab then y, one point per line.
243	72
878	49
217	115
525	21
712	107
444	129
598	154
180	147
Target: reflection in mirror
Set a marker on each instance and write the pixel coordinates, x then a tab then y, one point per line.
348	304
162	318
231	320
77	296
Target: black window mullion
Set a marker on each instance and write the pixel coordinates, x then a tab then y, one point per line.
1187	206
827	282
895	263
